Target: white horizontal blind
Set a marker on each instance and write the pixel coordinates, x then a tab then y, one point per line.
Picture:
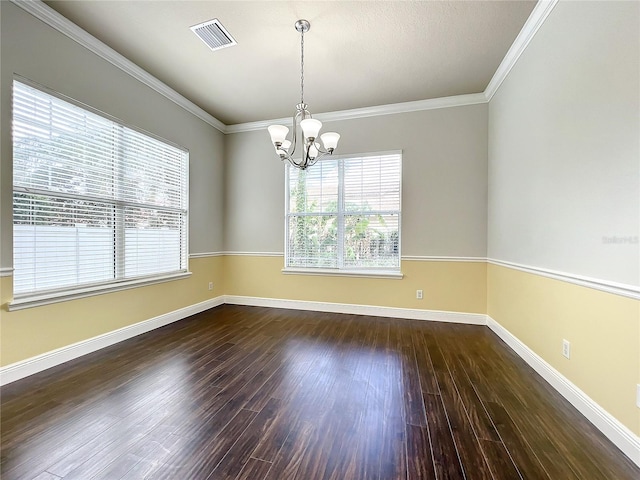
312	223
345	214
94	202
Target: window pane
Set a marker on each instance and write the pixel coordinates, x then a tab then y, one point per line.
61	242
59	147
314	190
152	242
313	241
372	184
152	172
371	241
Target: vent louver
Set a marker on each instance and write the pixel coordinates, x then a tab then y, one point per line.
214	34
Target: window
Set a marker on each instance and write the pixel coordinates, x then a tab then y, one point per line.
95	203
344	214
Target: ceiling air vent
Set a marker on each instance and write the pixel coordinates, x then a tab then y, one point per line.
214	34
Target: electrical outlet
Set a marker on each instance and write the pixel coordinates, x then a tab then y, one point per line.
566	348
210	285
419	294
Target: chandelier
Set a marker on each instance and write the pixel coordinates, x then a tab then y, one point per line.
309	127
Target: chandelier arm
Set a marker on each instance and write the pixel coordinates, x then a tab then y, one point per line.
296	164
322	155
307	158
314	161
301	113
294	136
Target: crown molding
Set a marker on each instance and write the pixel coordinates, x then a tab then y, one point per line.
52	18
538	15
405	107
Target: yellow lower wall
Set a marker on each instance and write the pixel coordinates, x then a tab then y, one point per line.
33	331
603	328
450	286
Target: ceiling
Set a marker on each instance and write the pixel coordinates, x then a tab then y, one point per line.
357	53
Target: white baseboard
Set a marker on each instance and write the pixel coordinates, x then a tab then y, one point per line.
30	366
620	435
372	310
615	431
24	368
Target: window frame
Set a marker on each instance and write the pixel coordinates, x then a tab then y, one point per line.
368	272
70	292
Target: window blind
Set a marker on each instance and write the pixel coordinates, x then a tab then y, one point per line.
94	201
345	214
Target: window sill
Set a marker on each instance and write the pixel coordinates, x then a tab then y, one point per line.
38	300
331	272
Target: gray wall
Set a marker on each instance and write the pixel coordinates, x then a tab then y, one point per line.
444	184
564	146
36	51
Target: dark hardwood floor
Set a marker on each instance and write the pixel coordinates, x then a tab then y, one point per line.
255	393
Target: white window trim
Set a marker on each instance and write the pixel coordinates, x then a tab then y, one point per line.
393	273
35	299
39	300
335	272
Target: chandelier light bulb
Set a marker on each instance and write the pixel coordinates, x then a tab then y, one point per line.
310	127
330	140
278	133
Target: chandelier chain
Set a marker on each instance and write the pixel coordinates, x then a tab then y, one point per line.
302	67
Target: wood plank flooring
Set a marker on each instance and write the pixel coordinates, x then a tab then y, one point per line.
267	394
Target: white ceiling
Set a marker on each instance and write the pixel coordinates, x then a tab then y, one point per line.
357	53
